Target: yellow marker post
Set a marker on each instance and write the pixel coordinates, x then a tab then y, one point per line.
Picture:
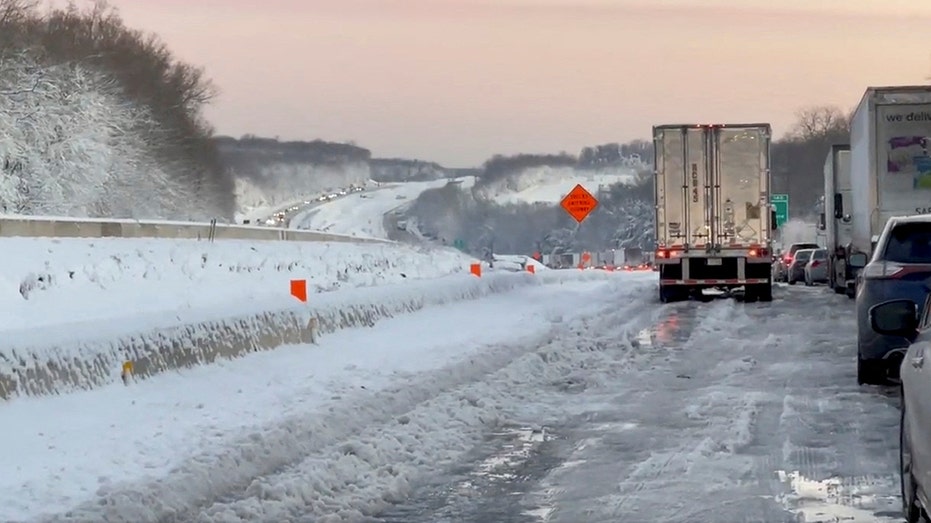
127	372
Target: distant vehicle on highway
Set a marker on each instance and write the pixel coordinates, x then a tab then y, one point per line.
816	270
781	271
795	272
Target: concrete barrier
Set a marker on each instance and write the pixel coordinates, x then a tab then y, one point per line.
48	227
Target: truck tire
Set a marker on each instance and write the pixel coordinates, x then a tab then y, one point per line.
672	293
758	292
765	293
832	281
871	372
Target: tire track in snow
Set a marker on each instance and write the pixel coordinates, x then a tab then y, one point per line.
391	442
228	472
825	420
292	495
727	413
468	495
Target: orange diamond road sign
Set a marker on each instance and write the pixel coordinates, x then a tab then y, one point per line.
579	203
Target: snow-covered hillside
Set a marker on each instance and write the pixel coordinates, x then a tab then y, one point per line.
548	184
518	213
362	214
73	146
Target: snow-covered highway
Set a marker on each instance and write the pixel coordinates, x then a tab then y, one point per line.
574	401
725	412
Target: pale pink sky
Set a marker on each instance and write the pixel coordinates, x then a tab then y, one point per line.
456	81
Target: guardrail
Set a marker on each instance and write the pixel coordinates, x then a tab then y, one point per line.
52	227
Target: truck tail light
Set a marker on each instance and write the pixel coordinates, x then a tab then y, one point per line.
662	253
883	270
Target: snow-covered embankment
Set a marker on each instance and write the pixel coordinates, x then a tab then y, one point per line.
77	310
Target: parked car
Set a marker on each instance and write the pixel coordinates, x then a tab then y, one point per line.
911	323
900	268
816	270
796	269
781	269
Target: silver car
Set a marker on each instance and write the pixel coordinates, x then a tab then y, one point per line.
781	267
795	272
816	270
910	322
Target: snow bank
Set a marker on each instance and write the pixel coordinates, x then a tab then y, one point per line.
72	281
517	262
164	305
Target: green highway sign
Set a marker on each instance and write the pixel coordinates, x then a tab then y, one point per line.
781	206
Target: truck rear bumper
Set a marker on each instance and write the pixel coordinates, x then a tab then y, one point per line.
712	271
710	282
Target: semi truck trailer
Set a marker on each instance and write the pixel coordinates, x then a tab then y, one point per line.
713	216
890	136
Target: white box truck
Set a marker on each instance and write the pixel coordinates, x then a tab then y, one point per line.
890	169
714	220
837	221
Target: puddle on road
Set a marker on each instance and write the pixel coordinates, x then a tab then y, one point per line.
862	499
665	332
502	465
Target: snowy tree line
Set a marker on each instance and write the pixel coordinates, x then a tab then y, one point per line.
450	214
624	216
100	120
798	158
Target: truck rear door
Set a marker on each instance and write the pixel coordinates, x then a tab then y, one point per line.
843	229
741	185
902	153
683	201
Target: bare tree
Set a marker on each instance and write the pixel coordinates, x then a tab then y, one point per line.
818	122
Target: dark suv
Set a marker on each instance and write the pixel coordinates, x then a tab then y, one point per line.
900	268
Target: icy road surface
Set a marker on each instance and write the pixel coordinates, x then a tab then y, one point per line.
603	405
719	412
